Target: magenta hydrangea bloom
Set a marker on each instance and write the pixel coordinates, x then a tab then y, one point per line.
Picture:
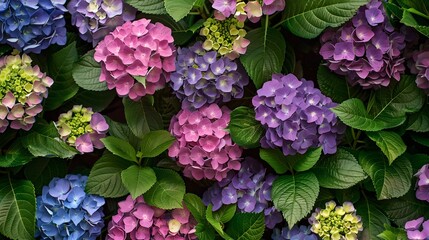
137	220
417	229
422	192
22	90
137	58
97	18
297	116
201	78
82	128
203	147
250	188
367	49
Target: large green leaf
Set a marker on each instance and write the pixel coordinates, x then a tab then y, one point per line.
215	223
17	208
419	121
204	231
265	54
308	18
390	181
372	218
244	129
138	180
148	6
304	162
141	116
410	21
276	159
123	132
168	191
105	177
41	145
333	85
295	195
155	142
86	73
393	233
246	226
98	101
390	143
15	155
178	9
195	206
338	171
40	171
120	148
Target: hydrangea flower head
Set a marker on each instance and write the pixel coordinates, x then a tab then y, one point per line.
296	233
65	211
421	68
367	49
250	188
136	58
82	128
242	10
417	229
22	89
296	115
32	26
422	175
203	147
137	220
226	37
201	78
336	222
97	18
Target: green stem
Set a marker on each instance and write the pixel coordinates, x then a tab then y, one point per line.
412	10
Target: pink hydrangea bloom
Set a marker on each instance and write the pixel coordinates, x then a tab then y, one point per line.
137	220
136	58
203	147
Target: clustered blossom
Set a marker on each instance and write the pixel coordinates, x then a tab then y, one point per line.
367	49
65	211
250	188
203	147
421	68
137	58
82	128
422	192
250	9
336	222
296	233
417	229
137	220
226	37
22	89
201	78
296	115
32	26
97	18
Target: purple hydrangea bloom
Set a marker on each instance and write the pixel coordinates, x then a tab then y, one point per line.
422	192
296	115
366	49
417	229
420	66
202	78
250	188
32	26
296	233
97	18
65	211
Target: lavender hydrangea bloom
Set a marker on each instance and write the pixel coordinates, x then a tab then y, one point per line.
32	26
65	211
296	233
250	188
97	18
422	192
367	49
421	68
417	229
200	78
296	115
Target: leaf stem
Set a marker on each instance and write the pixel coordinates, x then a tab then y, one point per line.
413	10
279	23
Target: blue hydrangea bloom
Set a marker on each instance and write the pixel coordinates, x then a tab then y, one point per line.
296	233
32	25
65	211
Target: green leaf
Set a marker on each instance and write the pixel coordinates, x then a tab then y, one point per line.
178	9
276	159
265	54
373	219
339	171
168	191
308	18
86	73
295	195
304	162
410	21
390	143
120	148
16	155
40	171
225	213
123	132
141	116
204	231
244	129
421	139
391	233
290	59
138	180
105	177
60	66
281	163
196	206
417	160
46	146
155	142
389	181
148	6
333	85
419	121
18	209
98	101
246	226
216	223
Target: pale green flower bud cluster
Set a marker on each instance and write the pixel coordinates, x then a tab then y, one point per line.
74	123
336	222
